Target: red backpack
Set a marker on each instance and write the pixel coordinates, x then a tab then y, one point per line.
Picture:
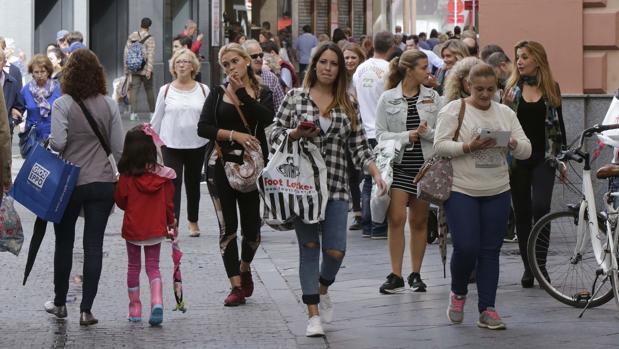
295	79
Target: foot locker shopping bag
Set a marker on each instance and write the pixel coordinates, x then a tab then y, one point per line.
294	184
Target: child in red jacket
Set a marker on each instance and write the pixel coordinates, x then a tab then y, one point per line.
145	192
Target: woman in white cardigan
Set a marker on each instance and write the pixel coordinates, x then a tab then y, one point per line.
478	207
406	112
176	117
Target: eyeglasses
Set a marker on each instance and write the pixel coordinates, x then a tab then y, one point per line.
257	55
182	61
39	72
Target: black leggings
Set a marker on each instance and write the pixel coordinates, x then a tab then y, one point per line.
225	201
189	160
97	200
354	179
531	182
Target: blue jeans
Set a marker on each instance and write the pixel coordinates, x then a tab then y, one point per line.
333	231
369	227
477	226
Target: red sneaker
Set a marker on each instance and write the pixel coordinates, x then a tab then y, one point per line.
247	283
235	297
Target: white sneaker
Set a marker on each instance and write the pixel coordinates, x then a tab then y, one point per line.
314	327
326	308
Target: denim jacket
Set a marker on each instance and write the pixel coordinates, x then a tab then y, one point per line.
392	112
555	127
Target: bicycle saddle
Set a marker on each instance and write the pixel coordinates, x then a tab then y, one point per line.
608	170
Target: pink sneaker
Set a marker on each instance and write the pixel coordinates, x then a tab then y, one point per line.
491	320
455	311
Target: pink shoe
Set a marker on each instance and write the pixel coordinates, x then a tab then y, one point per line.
247	283
135	306
156	303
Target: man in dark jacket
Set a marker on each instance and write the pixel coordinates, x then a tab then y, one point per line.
11	89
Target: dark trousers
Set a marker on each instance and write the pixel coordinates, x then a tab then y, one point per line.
134	89
225	201
477	226
96	199
531	181
187	163
354	179
370	227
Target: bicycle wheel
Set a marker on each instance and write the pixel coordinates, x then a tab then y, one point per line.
566	276
614	272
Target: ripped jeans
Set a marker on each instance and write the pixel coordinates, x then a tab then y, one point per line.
333	232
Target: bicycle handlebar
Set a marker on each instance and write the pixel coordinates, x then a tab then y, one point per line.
577	154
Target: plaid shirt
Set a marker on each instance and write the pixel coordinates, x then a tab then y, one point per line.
270	80
339	139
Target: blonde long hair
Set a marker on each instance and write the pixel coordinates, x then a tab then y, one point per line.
545	81
254	80
400	65
340	85
454	85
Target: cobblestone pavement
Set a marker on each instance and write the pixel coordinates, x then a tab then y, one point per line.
274	316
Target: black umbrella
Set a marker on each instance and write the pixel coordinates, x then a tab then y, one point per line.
38	233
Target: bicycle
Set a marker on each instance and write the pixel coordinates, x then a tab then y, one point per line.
579	254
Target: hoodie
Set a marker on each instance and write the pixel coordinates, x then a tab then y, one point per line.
148	204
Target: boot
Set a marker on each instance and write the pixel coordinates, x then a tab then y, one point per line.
156	303
135	306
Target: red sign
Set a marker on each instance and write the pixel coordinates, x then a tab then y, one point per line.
451	6
468	5
450	19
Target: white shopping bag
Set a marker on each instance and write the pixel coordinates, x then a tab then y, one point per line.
611	137
386	152
294	184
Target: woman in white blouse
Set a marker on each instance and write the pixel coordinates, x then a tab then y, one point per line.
176	116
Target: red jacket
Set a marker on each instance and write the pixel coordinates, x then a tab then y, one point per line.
148	204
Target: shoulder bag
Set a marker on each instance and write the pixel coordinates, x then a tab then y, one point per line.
106	147
242	175
435	177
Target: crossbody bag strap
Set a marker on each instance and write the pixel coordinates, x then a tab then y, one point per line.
95	128
460	118
238	108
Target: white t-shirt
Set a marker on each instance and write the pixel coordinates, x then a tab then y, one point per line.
369	82
177	114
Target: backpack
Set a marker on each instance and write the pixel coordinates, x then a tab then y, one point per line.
295	78
135	55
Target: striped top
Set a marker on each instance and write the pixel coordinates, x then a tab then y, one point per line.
404	173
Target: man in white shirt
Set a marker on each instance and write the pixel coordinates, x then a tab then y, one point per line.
369	83
435	61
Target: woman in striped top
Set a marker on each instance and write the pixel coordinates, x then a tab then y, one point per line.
407	112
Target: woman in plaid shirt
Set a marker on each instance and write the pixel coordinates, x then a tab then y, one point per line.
323	100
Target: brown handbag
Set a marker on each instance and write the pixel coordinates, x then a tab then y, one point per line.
242	176
435	177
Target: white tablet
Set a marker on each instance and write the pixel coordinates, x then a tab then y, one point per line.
501	137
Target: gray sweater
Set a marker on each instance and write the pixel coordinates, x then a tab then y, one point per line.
74	139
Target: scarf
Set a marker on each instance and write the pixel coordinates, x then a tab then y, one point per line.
41	94
529	80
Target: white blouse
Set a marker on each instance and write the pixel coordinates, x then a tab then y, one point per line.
177	114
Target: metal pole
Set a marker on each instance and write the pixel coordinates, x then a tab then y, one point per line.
455	13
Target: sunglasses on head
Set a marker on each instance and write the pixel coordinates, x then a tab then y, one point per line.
257	55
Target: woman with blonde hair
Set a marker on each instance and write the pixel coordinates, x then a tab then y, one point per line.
534	95
477	209
455	86
452	51
406	112
222	124
176	115
323	100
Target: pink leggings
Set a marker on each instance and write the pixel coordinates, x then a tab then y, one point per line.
134	253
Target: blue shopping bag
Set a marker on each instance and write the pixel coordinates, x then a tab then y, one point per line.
44	184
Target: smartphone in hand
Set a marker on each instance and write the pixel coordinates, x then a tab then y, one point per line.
307	125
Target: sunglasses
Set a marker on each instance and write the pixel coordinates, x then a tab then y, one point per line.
257	55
